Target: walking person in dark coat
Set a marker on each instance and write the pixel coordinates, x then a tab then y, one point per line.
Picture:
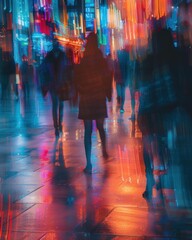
94	86
55	71
158	105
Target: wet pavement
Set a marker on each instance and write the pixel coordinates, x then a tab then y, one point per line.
44	193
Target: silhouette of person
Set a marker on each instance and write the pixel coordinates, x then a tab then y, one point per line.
55	71
110	63
25	76
120	75
93	85
158	103
8	71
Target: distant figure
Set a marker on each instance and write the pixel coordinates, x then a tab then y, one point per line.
25	77
111	67
110	63
12	76
7	70
133	79
94	86
56	71
74	94
121	76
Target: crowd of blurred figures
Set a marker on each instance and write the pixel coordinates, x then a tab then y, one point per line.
161	75
15	77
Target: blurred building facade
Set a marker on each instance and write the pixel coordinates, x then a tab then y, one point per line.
27	27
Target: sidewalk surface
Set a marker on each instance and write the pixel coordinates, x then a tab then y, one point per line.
44	193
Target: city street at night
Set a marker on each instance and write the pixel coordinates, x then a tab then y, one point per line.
95	119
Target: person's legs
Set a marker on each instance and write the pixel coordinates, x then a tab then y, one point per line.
122	98
16	90
132	93
24	89
118	90
148	161
87	143
100	127
4	87
27	90
61	104
3	90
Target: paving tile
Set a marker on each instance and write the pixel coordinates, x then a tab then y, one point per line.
17	191
43	217
21	235
136	222
11	211
29	177
59	236
7	174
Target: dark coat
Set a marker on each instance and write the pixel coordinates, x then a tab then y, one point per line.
55	71
121	67
24	70
158	86
92	78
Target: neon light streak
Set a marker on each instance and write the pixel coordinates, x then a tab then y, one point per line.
5	6
98	18
41	3
10	6
81	23
74	24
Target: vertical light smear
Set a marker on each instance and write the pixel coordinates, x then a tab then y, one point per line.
121	163
5	5
81	23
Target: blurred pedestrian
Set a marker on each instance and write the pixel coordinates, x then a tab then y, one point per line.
134	77
56	73
7	69
94	87
158	104
71	66
110	63
111	67
121	76
25	77
12	77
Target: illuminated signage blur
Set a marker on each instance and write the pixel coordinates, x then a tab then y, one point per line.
89	14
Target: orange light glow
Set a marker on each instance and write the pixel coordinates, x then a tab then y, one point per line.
135	15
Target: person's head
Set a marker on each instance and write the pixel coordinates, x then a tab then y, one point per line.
56	48
55	44
24	58
109	55
127	47
92	42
